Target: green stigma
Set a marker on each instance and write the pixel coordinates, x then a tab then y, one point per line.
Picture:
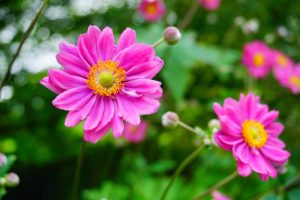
106	79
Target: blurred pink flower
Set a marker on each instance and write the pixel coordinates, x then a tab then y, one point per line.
293	79
282	66
135	134
216	195
210	4
152	10
258	58
105	83
249	130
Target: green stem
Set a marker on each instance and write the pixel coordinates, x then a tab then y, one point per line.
161	40
179	169
187	127
189	15
25	36
218	185
77	171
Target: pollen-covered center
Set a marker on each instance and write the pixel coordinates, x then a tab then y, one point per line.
282	60
295	81
258	59
254	133
151	8
106	78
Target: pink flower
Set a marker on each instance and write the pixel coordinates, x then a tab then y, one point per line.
257	58
293	79
105	83
282	66
135	134
216	195
152	10
210	4
250	131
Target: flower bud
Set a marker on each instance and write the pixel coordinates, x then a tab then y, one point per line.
214	124
170	119
12	179
172	35
3	160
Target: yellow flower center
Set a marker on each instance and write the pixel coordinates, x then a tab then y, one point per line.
295	80
282	60
106	78
254	133
151	8
258	59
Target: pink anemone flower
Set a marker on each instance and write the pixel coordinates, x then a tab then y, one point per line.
152	10
210	4
250	131
282	66
293	79
104	83
135	134
257	57
216	195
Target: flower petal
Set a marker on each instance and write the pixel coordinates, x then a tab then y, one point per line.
45	82
128	110
274	129
275	154
106	45
243	169
95	136
127	38
144	86
96	114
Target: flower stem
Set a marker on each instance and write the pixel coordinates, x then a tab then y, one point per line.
187	127
218	185
158	42
77	171
179	169
25	36
189	15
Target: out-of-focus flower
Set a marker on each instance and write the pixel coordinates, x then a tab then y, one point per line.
251	26
214	124
105	83
282	67
282	31
12	179
216	195
135	134
3	160
250	131
257	57
294	79
152	10
170	119
172	35
210	4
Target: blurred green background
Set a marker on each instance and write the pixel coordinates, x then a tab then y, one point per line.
202	69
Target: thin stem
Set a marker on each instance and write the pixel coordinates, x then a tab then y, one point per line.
77	171
25	36
179	169
189	15
187	127
158	42
218	185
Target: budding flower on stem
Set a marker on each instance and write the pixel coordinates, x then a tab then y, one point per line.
170	119
214	124
172	35
12	179
3	160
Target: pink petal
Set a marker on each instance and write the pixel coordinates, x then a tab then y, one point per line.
146	87
108	113
243	169
127	110
220	143
87	49
275	142
241	152
71	60
106	45
145	70
74	117
229	127
63	80
96	114
218	109
73	99
127	38
269	118
95	136
146	105
134	55
275	154
274	129
117	124
45	82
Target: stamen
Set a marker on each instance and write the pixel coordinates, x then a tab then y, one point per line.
254	133
258	59
282	61
295	81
